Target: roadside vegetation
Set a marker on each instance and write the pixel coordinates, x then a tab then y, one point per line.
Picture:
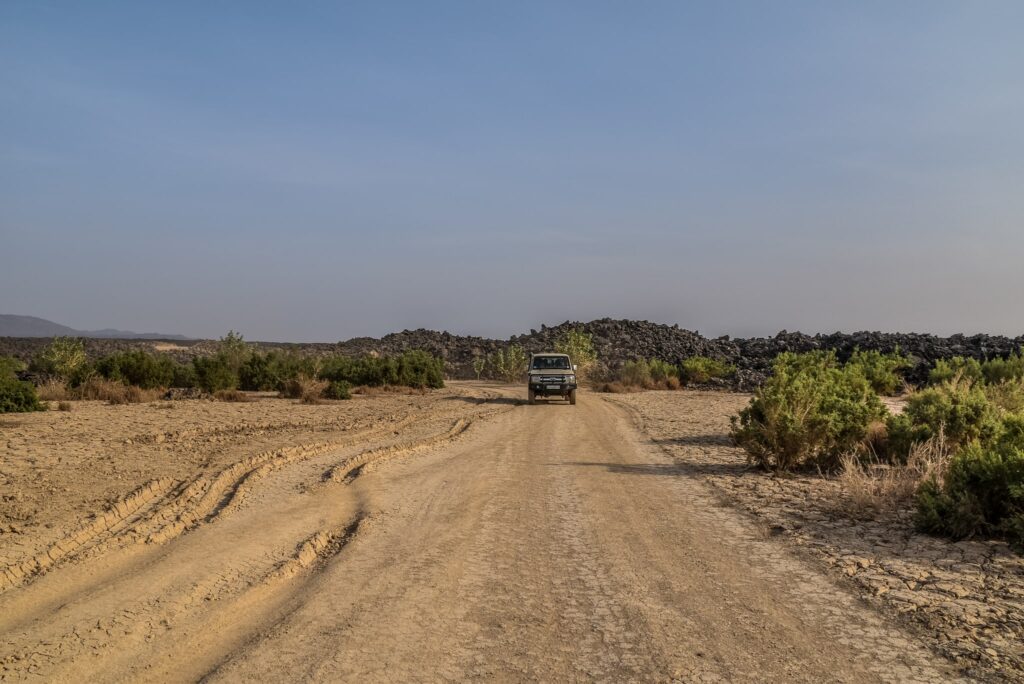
954	455
62	371
16	396
655	374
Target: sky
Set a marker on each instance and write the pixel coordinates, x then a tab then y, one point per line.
318	171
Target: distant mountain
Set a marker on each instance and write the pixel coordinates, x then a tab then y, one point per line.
30	326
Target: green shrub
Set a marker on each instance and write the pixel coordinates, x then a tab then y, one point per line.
419	369
636	373
881	370
266	372
184	376
579	345
661	371
9	366
982	494
16	396
214	373
960	409
1007	395
233	350
414	368
702	369
947	370
999	370
138	368
64	358
810	411
338	389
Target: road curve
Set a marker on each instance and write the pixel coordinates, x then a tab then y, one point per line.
523	543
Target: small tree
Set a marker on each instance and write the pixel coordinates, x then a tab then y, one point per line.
234	350
579	345
63	358
479	363
510	363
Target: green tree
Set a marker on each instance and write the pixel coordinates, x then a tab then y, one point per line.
64	358
579	345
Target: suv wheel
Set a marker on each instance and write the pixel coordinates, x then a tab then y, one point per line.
572	397
532	397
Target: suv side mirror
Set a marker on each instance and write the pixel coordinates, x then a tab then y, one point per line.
574	366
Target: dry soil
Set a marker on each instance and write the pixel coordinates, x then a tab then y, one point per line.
451	536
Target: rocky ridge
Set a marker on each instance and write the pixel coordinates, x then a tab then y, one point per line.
616	342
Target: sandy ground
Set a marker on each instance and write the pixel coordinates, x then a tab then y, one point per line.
452	536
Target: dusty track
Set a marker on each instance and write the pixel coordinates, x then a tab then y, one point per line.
547	543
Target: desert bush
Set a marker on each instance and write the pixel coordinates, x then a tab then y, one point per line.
419	369
304	388
17	396
1000	370
700	369
414	368
947	370
579	345
881	370
213	374
137	367
872	487
643	374
9	366
635	373
958	408
810	411
266	372
63	358
1007	395
64	406
662	371
233	350
981	494
184	376
338	389
232	395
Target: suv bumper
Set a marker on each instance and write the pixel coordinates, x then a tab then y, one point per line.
543	388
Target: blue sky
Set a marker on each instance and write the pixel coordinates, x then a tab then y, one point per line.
315	171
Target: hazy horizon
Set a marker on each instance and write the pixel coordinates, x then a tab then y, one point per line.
321	173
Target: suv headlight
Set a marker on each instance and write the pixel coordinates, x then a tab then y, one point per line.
534	378
571	379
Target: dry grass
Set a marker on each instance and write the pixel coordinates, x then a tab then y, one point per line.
873	489
307	390
113	392
64	406
625	387
53	390
231	395
617	388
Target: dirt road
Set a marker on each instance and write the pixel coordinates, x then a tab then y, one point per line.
510	543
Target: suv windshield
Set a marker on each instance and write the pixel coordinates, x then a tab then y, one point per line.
550	363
